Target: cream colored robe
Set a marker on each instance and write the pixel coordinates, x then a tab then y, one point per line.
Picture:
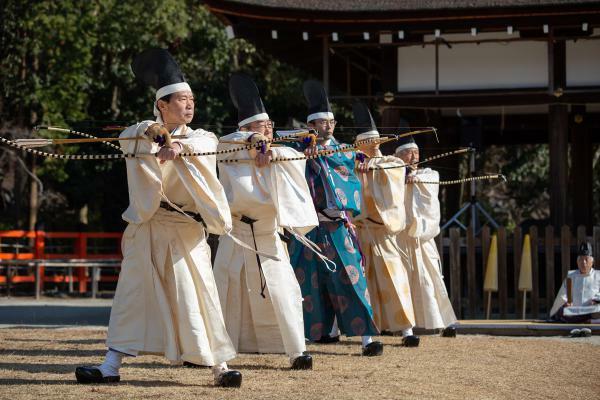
276	196
167	300
432	306
585	291
387	278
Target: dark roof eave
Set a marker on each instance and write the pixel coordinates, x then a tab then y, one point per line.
341	17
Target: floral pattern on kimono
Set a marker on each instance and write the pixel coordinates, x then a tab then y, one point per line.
342	293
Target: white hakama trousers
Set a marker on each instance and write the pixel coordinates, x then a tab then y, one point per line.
387	278
256	324
431	303
167	300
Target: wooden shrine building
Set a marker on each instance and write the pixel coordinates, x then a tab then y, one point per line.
483	72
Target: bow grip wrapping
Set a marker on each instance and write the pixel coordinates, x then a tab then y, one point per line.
160	135
257	138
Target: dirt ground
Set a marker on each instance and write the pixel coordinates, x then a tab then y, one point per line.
39	364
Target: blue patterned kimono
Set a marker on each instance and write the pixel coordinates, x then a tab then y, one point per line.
343	293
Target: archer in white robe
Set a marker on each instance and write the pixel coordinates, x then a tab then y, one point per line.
383	216
585	291
166	300
431	303
263	310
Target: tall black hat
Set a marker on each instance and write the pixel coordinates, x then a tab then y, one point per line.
246	98
407	142
158	69
363	120
318	103
585	249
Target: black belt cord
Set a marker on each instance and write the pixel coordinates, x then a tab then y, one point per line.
284	237
375	222
263	279
197	217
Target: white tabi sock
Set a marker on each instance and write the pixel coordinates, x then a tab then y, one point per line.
335	331
218	369
407	332
112	363
366	340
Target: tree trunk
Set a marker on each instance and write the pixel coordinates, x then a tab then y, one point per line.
33	197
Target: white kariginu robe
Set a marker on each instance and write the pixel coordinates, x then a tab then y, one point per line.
585	291
277	197
431	304
382	217
167	300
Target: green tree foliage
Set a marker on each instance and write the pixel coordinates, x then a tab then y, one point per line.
67	63
525	194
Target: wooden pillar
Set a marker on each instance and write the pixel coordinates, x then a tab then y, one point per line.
369	78
326	63
558	134
348	77
389	69
33	196
455	266
390	117
582	158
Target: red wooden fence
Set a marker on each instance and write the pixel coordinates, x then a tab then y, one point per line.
43	245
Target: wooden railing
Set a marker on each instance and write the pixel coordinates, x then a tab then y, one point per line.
464	257
40	245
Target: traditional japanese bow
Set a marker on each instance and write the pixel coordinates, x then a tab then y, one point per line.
390	138
428	159
339	149
307	137
448	182
457	181
23	144
41	142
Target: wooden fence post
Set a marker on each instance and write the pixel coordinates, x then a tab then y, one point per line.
535	292
81	250
517	250
471	274
485	251
565	250
596	241
455	271
581	235
502	273
549	253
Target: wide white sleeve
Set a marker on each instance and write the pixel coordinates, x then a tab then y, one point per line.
144	176
423	206
387	188
245	184
290	193
199	176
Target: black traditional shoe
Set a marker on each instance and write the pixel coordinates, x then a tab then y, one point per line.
410	341
93	375
231	379
373	349
326	339
575	333
585	332
449	331
303	362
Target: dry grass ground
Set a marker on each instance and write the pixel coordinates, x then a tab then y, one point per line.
39	364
